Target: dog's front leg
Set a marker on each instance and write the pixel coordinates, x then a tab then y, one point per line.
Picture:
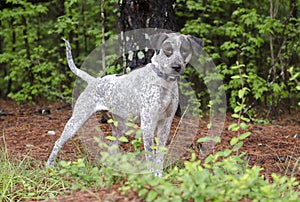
163	131
148	128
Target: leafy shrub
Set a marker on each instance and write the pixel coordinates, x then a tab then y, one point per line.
82	174
259	37
46	79
213	180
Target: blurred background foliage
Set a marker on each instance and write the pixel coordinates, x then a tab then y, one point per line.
254	44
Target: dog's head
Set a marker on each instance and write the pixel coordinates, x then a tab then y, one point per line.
174	51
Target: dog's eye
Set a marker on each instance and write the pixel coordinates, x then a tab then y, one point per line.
167	48
184	51
185	48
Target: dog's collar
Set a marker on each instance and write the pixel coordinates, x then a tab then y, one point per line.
167	77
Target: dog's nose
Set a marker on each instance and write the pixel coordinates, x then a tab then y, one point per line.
176	67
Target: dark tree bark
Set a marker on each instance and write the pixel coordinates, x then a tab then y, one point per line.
139	14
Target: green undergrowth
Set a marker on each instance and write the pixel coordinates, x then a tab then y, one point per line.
22	179
223	176
227	180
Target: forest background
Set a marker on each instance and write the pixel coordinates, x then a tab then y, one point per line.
254	44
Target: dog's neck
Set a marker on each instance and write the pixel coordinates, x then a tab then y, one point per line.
167	77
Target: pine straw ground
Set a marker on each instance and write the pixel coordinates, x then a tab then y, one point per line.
275	147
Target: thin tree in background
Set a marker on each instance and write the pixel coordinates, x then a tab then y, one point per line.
103	33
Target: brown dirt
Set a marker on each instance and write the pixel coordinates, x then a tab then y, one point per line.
274	147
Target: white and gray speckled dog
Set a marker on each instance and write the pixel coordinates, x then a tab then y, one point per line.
149	93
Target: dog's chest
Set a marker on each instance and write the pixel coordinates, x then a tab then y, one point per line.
138	91
160	99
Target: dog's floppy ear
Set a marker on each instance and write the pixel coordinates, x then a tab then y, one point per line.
157	40
196	43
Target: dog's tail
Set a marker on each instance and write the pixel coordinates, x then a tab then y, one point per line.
85	76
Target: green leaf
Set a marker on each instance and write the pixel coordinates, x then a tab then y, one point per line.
243	125
244	135
129	132
241	93
151	195
112	138
123	139
236	116
208	126
34	91
130	124
237	146
111	121
143	192
236	77
237	109
245	119
294	77
116	123
207	139
233	127
208	159
227	152
233	141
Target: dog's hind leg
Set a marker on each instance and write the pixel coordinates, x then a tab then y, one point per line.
82	111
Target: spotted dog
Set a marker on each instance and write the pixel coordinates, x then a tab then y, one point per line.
149	93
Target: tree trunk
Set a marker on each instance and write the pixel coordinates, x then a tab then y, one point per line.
14	39
139	14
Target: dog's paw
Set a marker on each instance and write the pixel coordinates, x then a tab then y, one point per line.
158	174
49	165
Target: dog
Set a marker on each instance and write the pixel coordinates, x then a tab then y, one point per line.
149	93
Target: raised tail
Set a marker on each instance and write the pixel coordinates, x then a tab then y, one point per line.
83	75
